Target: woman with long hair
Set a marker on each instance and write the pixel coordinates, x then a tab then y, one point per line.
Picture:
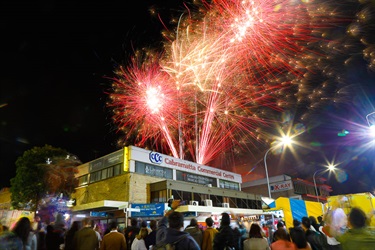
69	236
139	240
23	230
282	241
256	239
299	239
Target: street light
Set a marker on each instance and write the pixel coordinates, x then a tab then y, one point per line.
370	118
285	140
330	167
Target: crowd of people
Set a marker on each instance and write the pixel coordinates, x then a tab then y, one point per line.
333	231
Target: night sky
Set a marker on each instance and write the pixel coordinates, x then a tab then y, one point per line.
55	57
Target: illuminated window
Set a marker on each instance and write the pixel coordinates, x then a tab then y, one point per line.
117	170
82	180
95	176
229	185
104	174
152	170
110	172
198	179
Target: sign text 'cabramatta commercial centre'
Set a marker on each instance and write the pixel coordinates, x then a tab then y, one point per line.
182	165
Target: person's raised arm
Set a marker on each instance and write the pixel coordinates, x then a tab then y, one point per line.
161	233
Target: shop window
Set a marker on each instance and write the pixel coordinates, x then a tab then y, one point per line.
229	185
152	170
121	224
194	178
104	174
95	176
110	172
299	189
159	196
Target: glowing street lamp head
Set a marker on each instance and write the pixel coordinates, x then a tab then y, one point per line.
372	130
331	167
286	140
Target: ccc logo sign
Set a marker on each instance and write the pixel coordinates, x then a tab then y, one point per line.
156	157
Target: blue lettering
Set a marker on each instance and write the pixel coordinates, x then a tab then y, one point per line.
156	157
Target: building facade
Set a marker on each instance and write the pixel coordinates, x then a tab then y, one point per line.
132	182
287	186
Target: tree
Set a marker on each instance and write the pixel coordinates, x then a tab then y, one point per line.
42	172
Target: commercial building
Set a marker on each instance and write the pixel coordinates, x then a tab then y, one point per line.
138	183
287	186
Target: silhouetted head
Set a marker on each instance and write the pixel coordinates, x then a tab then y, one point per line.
153	224
299	237
142	233
255	231
113	225
176	220
133	222
144	223
306	222
357	218
86	222
320	219
22	228
296	223
225	219
76	225
193	222
280	234
313	220
209	221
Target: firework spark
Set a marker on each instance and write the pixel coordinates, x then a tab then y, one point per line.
222	74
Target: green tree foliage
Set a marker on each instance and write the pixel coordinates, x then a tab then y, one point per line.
42	172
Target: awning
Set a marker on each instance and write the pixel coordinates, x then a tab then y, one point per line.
103	205
219	210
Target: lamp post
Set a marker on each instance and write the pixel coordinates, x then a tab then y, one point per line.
316	189
330	168
370	121
265	166
286	140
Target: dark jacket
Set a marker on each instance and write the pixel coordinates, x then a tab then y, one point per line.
225	237
196	233
86	239
69	240
150	239
169	235
54	238
130	234
316	240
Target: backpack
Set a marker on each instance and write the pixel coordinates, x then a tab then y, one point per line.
168	246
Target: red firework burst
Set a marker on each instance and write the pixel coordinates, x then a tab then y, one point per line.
210	89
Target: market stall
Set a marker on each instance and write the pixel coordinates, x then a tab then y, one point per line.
290	209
